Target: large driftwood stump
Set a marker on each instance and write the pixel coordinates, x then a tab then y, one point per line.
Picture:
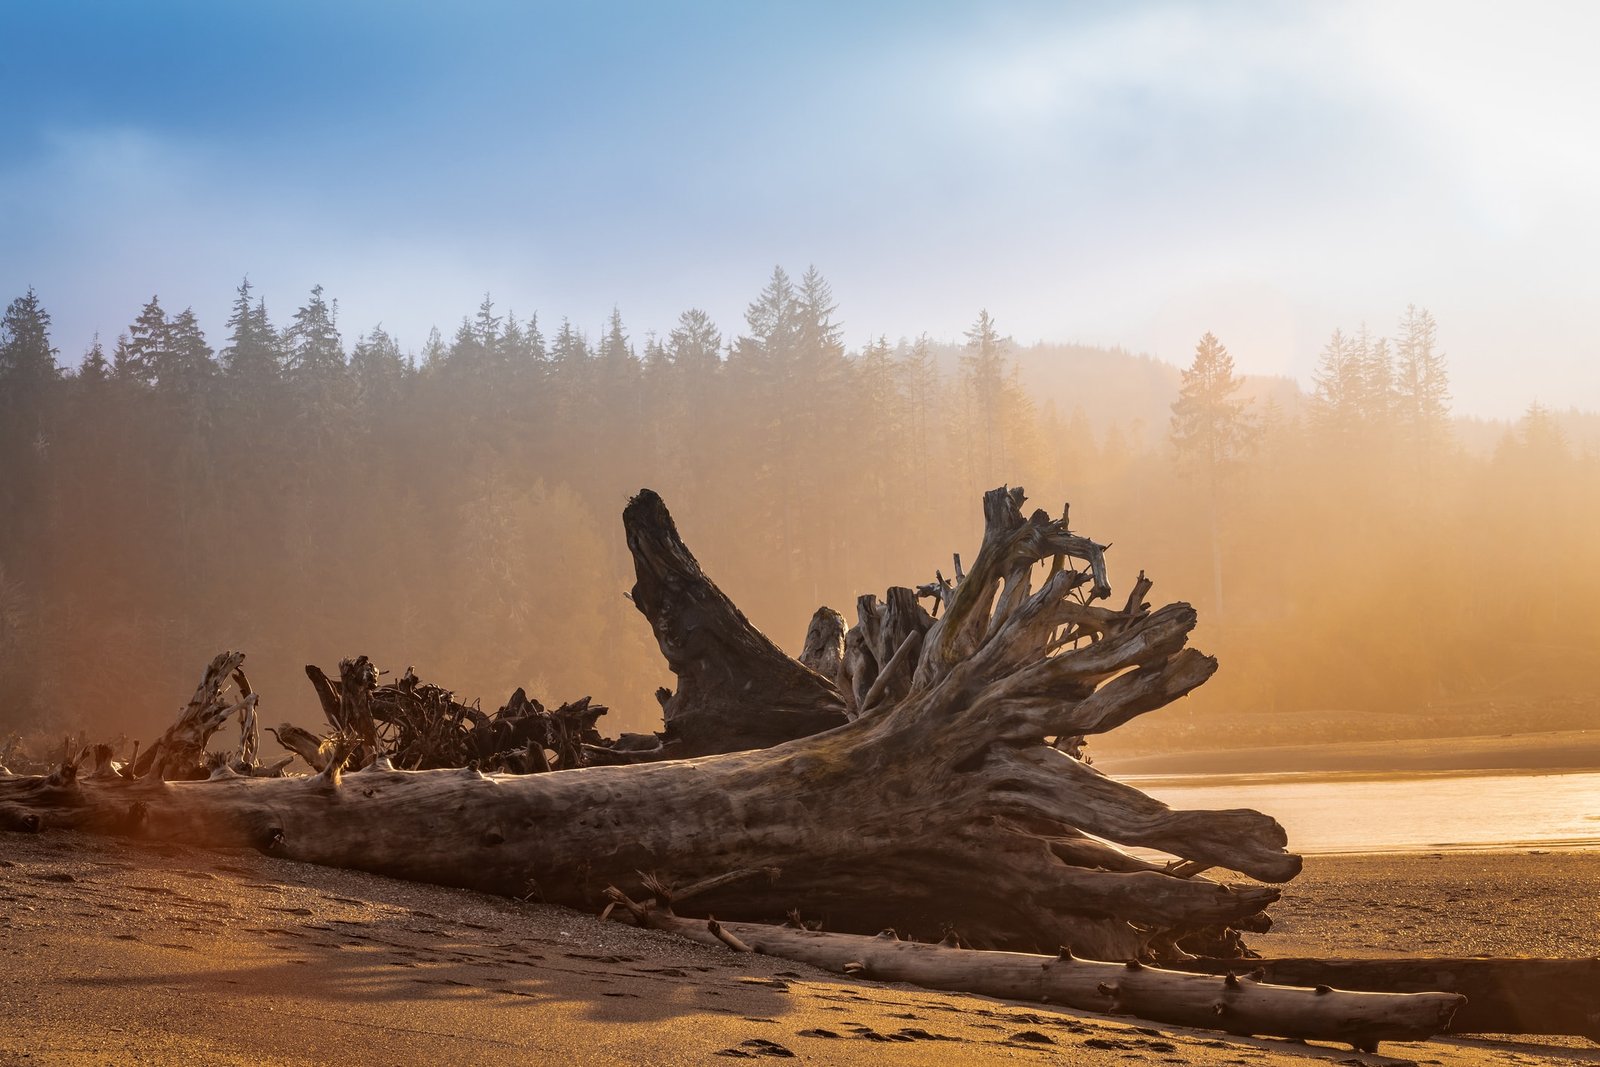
736	689
943	803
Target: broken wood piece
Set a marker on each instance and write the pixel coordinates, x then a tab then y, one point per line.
1228	1004
1504	996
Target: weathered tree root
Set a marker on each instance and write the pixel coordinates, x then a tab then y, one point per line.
1230	1003
420	726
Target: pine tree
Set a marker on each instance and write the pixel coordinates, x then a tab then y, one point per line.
123	366
616	358
27	360
920	373
569	350
533	338
95	368
315	351
149	343
189	364
377	368
820	338
467	354
1422	387
695	343
1377	378
511	352
984	368
1211	426
434	353
1212	432
29	420
657	363
773	317
251	356
1540	439
486	324
1340	386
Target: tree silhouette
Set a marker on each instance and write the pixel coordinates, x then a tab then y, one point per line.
1212	432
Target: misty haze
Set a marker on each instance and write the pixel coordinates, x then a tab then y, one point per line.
634	535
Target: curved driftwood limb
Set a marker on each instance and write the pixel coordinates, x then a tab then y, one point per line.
181	751
1230	1003
736	689
1504	996
941	803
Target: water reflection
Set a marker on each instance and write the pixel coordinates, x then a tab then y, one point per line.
1367	813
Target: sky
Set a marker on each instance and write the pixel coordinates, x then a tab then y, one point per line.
1121	173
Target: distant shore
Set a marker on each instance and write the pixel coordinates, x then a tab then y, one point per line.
1567	750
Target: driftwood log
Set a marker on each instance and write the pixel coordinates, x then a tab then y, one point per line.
935	795
1230	1002
1504	996
420	726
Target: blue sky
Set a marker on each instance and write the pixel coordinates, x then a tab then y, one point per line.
1128	174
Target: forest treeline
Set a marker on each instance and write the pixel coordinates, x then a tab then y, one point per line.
287	491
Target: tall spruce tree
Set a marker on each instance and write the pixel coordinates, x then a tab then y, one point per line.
95	368
1422	387
28	374
984	369
149	343
189	365
27	359
695	343
251	357
1212	433
773	318
377	369
1339	391
315	352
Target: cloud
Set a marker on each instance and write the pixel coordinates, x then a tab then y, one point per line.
1129	174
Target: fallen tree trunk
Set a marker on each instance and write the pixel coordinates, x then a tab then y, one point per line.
1230	1003
1504	996
941	803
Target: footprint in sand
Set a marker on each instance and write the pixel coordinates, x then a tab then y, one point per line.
916	1033
757	1047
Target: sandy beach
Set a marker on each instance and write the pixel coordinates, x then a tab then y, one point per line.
120	952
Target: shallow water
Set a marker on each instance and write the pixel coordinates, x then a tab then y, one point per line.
1409	813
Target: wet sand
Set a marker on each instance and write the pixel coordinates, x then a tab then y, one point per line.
119	952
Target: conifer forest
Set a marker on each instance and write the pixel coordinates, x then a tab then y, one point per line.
311	489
